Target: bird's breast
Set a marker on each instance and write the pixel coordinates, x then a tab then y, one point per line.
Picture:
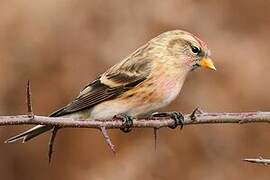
154	93
168	89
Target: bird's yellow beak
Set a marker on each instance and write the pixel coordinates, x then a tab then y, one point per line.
207	63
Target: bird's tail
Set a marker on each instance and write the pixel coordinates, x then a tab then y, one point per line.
29	134
33	132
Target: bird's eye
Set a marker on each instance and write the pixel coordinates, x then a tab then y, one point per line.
195	50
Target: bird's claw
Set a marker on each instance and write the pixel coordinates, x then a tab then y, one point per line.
127	122
176	116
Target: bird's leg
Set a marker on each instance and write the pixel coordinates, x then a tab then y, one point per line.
194	112
127	122
176	116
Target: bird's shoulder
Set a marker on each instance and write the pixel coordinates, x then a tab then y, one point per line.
136	66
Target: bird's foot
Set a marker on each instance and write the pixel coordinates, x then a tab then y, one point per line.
127	122
176	116
196	111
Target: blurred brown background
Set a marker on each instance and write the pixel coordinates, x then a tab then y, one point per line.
60	45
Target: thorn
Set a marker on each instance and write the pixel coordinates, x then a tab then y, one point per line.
259	160
29	100
107	138
51	143
155	137
194	112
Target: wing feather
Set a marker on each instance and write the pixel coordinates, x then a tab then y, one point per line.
117	80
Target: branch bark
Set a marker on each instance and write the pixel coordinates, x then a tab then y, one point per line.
151	122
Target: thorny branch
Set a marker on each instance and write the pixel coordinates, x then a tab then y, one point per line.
196	117
151	122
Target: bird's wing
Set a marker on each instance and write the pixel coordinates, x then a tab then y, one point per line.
117	80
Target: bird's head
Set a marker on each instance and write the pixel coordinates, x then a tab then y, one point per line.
184	49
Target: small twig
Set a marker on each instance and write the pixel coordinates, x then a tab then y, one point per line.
259	160
107	138
29	100
51	142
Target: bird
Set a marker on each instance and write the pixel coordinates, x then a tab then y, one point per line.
148	79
